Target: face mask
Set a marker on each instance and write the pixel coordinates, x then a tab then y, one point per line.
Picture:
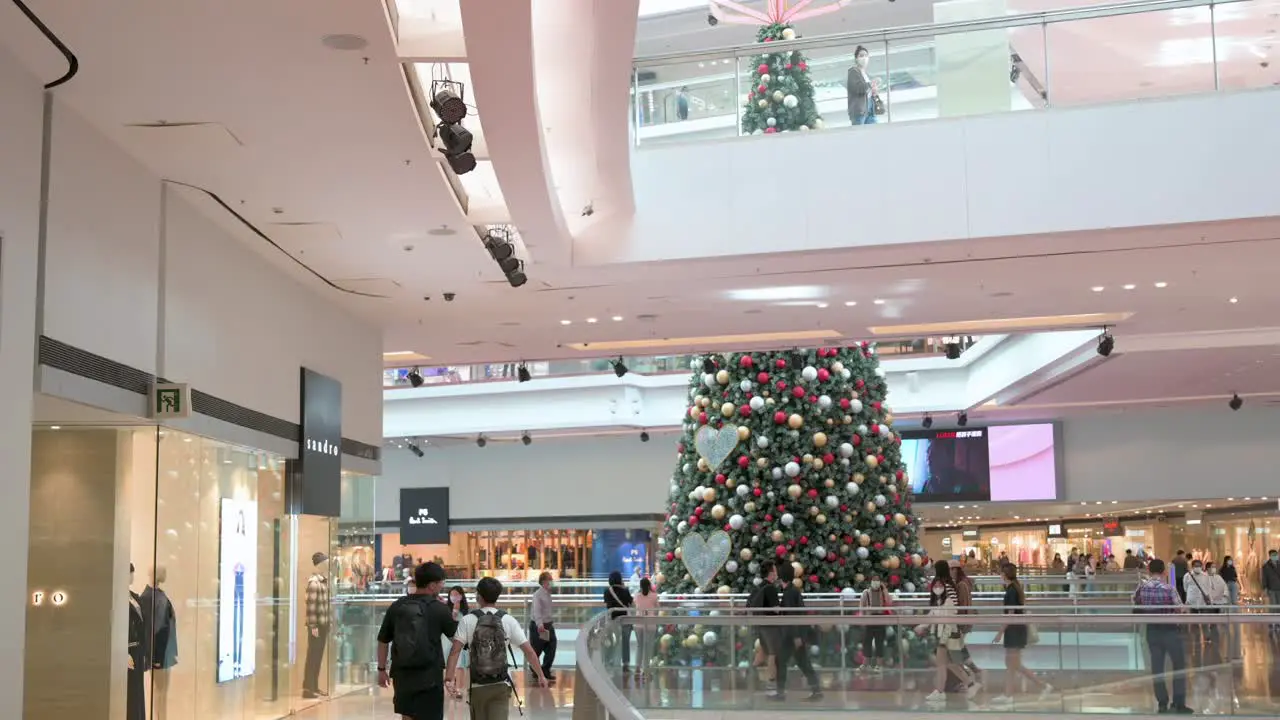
938	590
862	61
455	599
1197	570
1230	563
875	584
1274	558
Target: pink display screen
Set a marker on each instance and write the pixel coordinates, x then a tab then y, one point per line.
1024	465
1003	463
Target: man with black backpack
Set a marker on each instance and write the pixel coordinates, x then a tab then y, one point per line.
411	632
491	634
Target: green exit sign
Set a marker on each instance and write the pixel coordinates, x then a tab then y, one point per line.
170	400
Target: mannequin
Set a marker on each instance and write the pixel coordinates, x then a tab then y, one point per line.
317	625
160	628
135	689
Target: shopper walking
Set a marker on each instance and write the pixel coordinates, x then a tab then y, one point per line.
1178	574
492	635
1164	639
949	656
964	598
646	604
1015	638
1232	578
542	626
410	639
876	600
793	640
617	599
1271	584
765	599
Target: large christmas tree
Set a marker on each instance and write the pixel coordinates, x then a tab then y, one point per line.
815	479
781	94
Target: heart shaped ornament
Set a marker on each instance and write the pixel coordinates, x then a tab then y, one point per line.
704	558
715	445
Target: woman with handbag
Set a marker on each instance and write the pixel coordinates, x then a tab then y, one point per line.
617	598
949	655
1016	637
863	91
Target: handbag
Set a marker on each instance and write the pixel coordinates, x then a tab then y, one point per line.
877	104
1033	635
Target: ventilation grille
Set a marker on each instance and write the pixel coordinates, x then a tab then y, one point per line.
68	358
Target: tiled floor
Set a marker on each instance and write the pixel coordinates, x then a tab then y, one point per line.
539	704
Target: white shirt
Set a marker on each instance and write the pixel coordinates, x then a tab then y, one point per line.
515	634
1204	589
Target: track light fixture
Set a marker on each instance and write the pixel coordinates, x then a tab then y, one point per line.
526	438
644	436
619	368
962	418
500	244
952	350
415	377
417	451
1106	343
927	422
481	441
1236	402
522	373
448	103
516	276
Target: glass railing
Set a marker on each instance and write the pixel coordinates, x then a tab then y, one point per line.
1060	58
398	377
1051	660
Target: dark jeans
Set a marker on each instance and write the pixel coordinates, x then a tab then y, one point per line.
873	642
545	649
787	651
1167	643
315	658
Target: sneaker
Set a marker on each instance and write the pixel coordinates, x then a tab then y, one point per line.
776	696
864	668
936	696
814	696
1002	701
972	691
1181	710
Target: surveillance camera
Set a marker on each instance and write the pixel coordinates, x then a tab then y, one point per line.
588	211
448	297
712	20
408	248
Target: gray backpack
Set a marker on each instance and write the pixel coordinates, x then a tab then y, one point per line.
489	649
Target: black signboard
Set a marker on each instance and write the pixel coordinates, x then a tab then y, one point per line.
424	516
1112	527
320	448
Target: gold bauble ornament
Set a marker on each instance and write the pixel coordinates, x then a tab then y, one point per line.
830	422
703	465
749	507
844	549
679	552
806	458
788	34
694	411
722	377
693	641
813	511
795	422
888	419
916	560
859	577
884	479
745	554
709	495
894	562
872	461
858	478
798	583
818	464
864	540
659	579
821	519
848	419
900	520
728	408
848	518
798	568
762	103
819	439
828	483
704	401
717	512
731	483
723	590
890	543
744	432
762	462
791	557
778	96
794	491
776	536
885	563
870	506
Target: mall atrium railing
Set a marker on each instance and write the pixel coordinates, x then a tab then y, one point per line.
1153	48
1094	663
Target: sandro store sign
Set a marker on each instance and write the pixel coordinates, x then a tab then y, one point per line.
320	447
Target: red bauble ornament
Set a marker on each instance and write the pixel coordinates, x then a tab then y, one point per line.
873	428
831	557
859	383
788	66
813	579
823	375
813	399
797	391
762	378
876	405
744	461
768	517
764	68
698	511
782	508
828	459
745	361
844	403
845	508
813	493
780	363
779	417
880	458
702	418
856	440
693	520
671	556
804	66
781	550
770	131
804	539
757	492
878	546
745	410
762	89
728	527
894	579
768	39
680	448
751	96
720	478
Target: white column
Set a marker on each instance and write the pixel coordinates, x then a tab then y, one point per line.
21	113
972	67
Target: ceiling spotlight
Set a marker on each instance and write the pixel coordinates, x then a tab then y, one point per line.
457	147
962	418
498	244
644	436
447	101
708	365
952	349
1235	403
712	20
415	377
927	422
619	368
515	274
1233	300
1106	343
1162	284
1097	288
413	448
522	373
481	441
526	438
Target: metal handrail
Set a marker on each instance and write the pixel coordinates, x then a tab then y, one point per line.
1130	618
906	32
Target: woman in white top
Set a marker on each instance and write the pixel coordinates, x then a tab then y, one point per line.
1206	590
646	604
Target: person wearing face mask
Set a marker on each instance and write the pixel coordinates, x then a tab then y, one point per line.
1271	583
1232	578
1015	637
1201	590
458	609
875	601
862	90
1164	639
949	656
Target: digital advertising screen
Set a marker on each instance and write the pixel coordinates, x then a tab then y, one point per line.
237	588
1003	463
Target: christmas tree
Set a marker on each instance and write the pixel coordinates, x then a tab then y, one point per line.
781	94
793	455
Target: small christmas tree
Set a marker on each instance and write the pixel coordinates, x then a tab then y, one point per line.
804	468
781	94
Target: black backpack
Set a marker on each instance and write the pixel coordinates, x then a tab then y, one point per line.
756	598
489	649
414	646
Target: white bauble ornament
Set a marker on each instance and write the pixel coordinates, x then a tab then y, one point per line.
848	593
862	430
745	386
731	566
762	441
764	78
851	488
884	431
819	551
662	542
792	468
762	103
709	379
736	522
832	501
846	450
909	587
879	372
844	462
788	34
837	366
855	406
846	373
686	468
824	401
809	373
880	520
757	581
753	567
880	500
788	519
694	364
771	122
776	473
804	128
683	527
862	553
743	490
756	403
790	101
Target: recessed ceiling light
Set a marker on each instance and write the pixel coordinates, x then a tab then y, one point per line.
1113	502
344	41
822	305
1097	288
946	507
55	427
1162	284
566	322
850	303
617	318
1130	286
878	301
591	320
1233	300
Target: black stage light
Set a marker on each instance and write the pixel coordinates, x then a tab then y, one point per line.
413	448
481	441
516	277
522	374
509	265
712	20
447	102
526	439
962	418
1235	403
499	247
927	422
415	378
619	368
1106	343
708	365
644	436
457	147
953	350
